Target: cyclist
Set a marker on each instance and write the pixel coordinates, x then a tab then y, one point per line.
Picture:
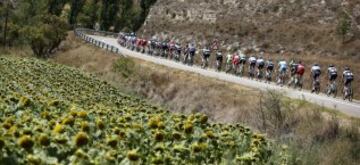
192	51
252	65
332	73
206	55
178	50
260	66
219	60
186	53
269	70
300	70
236	62
229	59
315	73
293	69
172	49
348	77
165	48
282	71
242	62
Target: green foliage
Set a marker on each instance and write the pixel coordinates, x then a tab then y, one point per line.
76	6
47	35
125	66
344	26
89	15
66	117
109	9
55	7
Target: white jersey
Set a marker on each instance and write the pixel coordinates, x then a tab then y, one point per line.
315	68
332	70
252	59
260	61
282	64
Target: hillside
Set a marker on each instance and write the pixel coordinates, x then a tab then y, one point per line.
64	116
313	134
327	27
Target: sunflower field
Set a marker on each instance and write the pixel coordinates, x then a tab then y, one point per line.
52	114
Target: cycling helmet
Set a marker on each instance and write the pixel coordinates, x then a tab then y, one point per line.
331	65
347	68
316	64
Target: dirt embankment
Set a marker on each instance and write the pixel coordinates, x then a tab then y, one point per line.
314	135
319	27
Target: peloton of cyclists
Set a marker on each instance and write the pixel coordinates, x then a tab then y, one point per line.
258	67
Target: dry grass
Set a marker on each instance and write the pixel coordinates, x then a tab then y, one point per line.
314	134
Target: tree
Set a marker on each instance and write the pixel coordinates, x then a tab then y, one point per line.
76	6
47	35
55	7
6	6
108	13
89	15
344	26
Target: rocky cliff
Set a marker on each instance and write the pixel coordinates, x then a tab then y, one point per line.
319	26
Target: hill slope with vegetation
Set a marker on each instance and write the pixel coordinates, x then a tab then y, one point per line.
64	116
328	27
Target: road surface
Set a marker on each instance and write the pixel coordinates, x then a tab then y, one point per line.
351	109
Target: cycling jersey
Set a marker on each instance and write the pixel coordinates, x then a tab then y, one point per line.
252	60
348	76
229	58
316	70
260	63
206	52
192	49
300	69
332	73
177	47
293	68
219	56
236	59
282	66
269	66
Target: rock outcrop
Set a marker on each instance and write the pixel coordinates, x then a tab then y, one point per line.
296	25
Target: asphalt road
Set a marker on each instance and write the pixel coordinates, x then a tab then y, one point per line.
349	108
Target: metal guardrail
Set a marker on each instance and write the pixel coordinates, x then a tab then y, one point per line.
82	33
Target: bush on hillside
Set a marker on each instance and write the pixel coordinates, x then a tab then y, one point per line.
45	37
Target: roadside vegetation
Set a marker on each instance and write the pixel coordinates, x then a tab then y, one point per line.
313	134
43	24
67	117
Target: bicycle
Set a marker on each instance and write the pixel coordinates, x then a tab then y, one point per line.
316	86
205	61
218	65
298	82
268	76
348	93
281	78
252	72
241	69
331	89
260	74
